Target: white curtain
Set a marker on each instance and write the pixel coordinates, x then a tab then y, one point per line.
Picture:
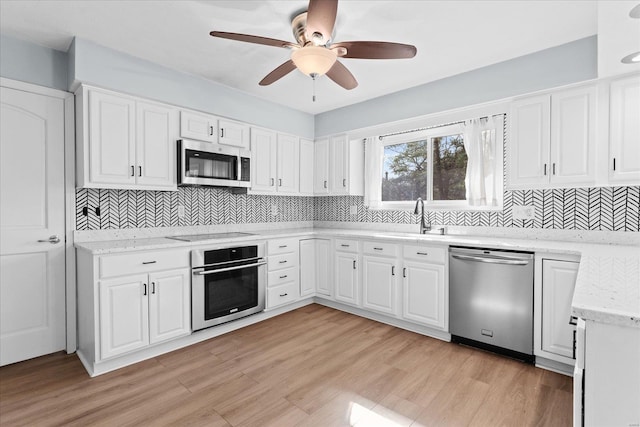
483	144
372	171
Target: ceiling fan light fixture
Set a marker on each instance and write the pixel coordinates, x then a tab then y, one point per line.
633	58
314	59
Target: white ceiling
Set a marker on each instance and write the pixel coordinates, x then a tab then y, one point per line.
451	37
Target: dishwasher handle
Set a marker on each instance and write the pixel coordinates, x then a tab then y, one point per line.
492	260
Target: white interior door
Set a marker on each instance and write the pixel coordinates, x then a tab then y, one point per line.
32	225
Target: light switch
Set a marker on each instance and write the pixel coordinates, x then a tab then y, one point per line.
524	212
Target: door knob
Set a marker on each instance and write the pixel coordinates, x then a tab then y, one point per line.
52	239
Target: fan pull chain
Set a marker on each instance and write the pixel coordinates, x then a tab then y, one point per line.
313	97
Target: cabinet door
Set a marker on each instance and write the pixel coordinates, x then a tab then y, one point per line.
233	133
321	169
338	165
201	127
323	267
624	141
423	293
288	166
169	304
155	145
307	267
263	160
124	315
346	272
306	167
558	281
573	128
111	139
528	151
379	284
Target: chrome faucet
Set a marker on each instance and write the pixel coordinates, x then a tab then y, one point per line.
424	227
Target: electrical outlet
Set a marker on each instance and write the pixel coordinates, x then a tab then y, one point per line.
524	212
353	210
180	211
274	210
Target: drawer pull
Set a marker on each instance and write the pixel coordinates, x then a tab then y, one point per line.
282	246
284	295
148	262
283	262
283	277
345	246
377	249
422	253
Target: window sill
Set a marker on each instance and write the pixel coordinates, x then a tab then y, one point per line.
451	206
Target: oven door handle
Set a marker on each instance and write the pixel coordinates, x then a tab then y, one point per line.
222	270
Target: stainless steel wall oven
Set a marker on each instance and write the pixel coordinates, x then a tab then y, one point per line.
227	283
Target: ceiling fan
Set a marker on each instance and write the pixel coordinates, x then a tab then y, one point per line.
314	54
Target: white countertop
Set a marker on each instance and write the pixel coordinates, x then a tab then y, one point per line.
607	288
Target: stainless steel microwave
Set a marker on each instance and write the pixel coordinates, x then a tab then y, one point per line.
208	164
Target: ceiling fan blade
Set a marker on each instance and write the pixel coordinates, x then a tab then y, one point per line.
339	74
252	39
321	17
278	73
376	50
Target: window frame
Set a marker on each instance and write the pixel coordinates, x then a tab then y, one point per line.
429	135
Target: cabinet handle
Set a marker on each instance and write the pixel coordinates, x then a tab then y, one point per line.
344	182
283	262
153	287
284	295
325	184
279	182
148	262
422	253
345	246
221	132
283	277
545	169
210	130
354	264
393	270
575	344
573	320
133	170
404	272
272	182
282	246
139	170
377	249
144	287
614	163
554	168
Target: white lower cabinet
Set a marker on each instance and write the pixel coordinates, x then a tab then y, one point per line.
143	309
424	293
283	278
346	273
324	268
379	277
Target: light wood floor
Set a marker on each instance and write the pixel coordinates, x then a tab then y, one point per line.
312	367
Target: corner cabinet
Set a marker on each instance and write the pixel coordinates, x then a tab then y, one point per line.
130	301
315	267
124	142
339	166
624	131
552	140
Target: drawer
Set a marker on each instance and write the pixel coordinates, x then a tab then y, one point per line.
142	262
282	294
345	245
282	276
425	253
282	246
377	248
278	262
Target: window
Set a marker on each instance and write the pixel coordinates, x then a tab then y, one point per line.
435	165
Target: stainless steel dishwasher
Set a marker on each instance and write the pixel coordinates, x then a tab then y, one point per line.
491	300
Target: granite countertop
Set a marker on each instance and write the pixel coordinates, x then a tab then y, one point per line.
607	288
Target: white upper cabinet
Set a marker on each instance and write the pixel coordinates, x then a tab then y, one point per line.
339	166
552	140
233	133
263	160
288	164
624	131
124	142
155	147
199	126
306	167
